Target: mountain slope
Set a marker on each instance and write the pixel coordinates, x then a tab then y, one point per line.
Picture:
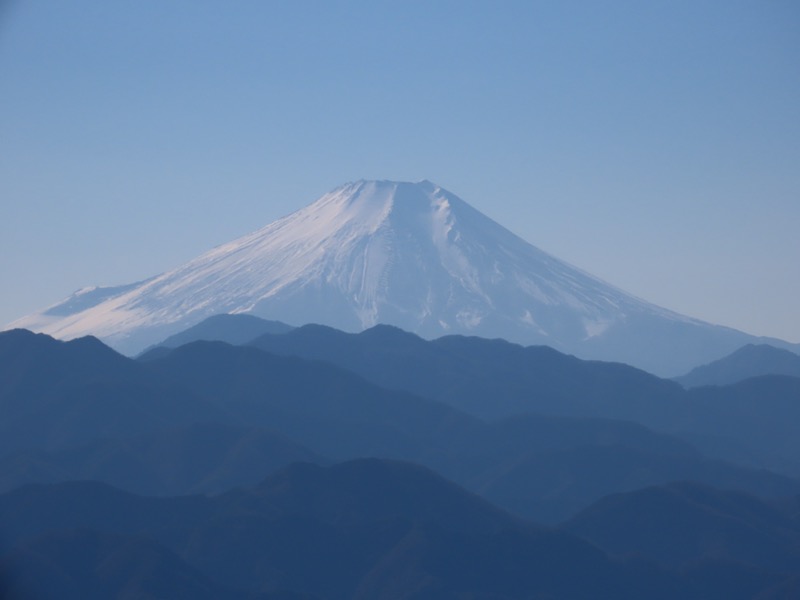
487	378
80	564
363	529
552	486
231	329
200	458
750	422
752	360
684	522
55	393
408	254
759	413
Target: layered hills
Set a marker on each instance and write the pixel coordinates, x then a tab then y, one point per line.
208	414
314	463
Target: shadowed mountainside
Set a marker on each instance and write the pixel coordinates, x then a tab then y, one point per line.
364	529
750	421
200	458
682	523
374	528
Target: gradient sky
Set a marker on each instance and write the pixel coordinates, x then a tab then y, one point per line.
653	144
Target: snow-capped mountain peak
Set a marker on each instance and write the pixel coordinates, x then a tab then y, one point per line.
407	254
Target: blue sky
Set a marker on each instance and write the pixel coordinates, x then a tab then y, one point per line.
653	144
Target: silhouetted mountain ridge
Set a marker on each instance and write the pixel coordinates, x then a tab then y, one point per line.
752	360
231	329
465	372
54	394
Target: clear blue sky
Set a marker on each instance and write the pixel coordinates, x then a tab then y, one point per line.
653	144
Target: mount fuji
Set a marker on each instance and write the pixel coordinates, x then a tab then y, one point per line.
407	254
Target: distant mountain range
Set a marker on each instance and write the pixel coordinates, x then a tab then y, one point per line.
315	463
751	421
749	361
411	255
232	413
363	529
231	329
